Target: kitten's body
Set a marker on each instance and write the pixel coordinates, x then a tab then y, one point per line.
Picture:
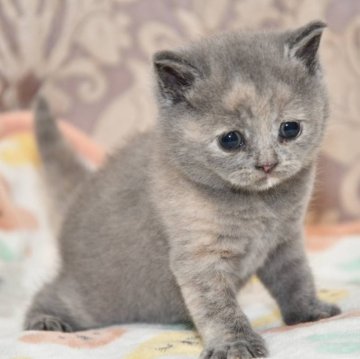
172	216
100	268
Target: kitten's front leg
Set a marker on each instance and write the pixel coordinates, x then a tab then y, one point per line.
287	276
211	300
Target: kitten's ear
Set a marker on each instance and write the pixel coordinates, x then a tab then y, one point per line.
304	42
175	75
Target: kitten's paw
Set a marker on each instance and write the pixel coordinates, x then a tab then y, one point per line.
47	323
251	347
321	310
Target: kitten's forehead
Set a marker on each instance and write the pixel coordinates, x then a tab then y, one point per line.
245	52
255	99
239	94
245	70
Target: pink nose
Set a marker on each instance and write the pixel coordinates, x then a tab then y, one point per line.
267	167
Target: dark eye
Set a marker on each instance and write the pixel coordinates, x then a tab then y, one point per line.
289	130
231	141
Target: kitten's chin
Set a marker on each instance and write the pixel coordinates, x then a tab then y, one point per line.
261	185
267	183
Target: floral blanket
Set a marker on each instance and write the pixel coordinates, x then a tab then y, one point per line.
28	257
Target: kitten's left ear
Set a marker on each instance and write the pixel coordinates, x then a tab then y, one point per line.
175	74
304	42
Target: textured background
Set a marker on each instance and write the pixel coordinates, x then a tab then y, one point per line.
92	58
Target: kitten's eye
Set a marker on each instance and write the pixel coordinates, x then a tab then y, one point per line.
289	130
231	141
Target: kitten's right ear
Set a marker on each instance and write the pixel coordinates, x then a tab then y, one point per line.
175	75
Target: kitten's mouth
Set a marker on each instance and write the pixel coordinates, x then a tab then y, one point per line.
267	181
266	176
257	181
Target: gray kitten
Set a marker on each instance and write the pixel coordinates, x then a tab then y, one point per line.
176	223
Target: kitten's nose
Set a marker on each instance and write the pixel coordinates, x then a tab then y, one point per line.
266	167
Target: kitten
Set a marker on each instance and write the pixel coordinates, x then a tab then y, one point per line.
175	223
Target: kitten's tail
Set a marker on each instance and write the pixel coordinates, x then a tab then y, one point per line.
63	171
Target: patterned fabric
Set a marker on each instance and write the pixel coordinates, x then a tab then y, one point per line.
28	258
329	339
93	60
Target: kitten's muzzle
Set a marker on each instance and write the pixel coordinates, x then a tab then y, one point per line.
266	167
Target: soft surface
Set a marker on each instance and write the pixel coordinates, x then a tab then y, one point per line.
28	257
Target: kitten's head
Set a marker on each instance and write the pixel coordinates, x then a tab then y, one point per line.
243	109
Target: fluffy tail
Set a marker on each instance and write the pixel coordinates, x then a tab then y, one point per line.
63	170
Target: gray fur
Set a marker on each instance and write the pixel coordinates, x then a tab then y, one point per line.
173	226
